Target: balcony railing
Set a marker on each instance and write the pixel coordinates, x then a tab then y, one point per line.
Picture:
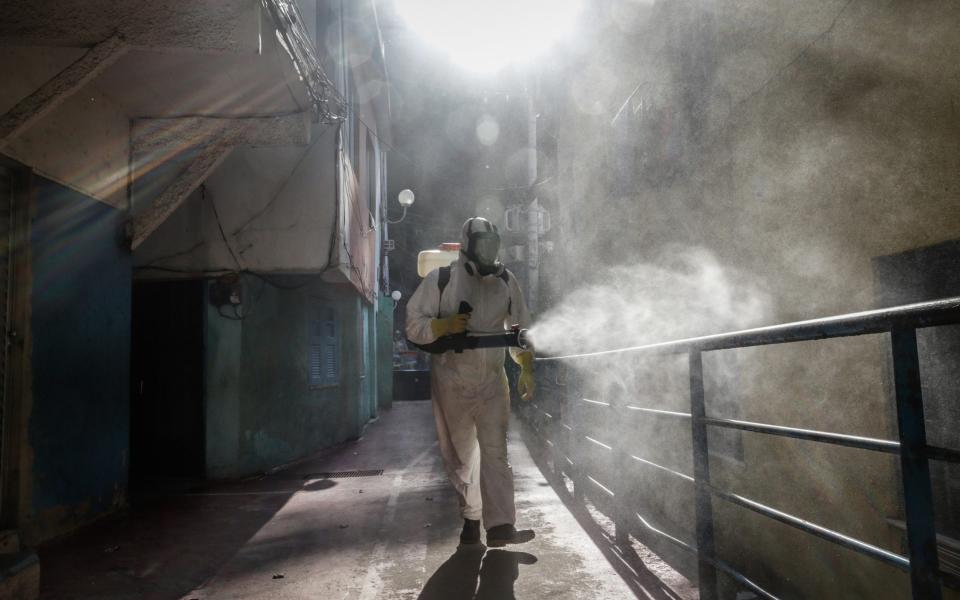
566	436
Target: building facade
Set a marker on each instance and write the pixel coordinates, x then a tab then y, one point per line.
193	200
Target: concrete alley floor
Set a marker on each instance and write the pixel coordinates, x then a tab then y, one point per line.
295	534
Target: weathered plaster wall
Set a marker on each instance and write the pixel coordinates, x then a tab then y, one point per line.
223	26
79	418
277	207
83	143
847	153
384	354
219	59
222	392
259	79
261	409
797	142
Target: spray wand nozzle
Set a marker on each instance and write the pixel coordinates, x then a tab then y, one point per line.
458	342
513	337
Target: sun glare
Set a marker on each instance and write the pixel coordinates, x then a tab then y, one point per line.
487	35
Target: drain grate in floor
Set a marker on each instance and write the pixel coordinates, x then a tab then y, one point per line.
345	474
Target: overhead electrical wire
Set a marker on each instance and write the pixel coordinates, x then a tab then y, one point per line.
216	216
354	210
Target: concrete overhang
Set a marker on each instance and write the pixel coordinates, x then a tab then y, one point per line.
120	79
216	58
218	26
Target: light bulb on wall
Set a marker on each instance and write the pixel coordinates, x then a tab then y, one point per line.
405	198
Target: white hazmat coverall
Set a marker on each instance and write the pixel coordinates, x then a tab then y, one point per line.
471	399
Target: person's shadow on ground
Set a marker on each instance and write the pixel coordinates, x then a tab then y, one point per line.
472	575
499	570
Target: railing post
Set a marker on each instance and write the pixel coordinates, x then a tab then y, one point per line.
568	435
917	494
574	445
621	484
576	472
559	433
701	473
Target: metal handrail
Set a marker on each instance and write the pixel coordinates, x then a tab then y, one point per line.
813	435
778	515
919	315
719	564
901	323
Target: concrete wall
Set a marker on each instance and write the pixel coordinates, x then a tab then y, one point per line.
797	143
83	143
261	409
223	351
187	60
384	367
78	435
277	205
280	208
220	59
277	208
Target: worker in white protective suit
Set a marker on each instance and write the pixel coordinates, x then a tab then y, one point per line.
471	399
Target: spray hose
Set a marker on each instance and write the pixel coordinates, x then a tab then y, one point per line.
458	342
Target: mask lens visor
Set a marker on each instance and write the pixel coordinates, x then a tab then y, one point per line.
486	246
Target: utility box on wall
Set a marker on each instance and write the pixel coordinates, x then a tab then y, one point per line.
226	291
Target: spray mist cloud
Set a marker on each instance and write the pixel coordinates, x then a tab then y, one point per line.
685	292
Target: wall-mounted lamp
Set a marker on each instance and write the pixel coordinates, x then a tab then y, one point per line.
405	198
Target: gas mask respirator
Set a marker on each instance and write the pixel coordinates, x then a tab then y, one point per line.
483	249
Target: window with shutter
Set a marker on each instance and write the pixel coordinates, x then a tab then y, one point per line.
324	359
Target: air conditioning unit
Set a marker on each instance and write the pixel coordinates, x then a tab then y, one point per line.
513	219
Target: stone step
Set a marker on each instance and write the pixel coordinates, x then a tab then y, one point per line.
19	576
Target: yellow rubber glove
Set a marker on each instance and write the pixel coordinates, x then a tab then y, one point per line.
447	325
526	385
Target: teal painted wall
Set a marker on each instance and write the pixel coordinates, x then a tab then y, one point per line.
371	372
79	428
222	353
384	352
367	375
261	409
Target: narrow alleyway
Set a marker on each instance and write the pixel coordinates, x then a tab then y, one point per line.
298	534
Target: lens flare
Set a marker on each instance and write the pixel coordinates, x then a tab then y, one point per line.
488	130
487	36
